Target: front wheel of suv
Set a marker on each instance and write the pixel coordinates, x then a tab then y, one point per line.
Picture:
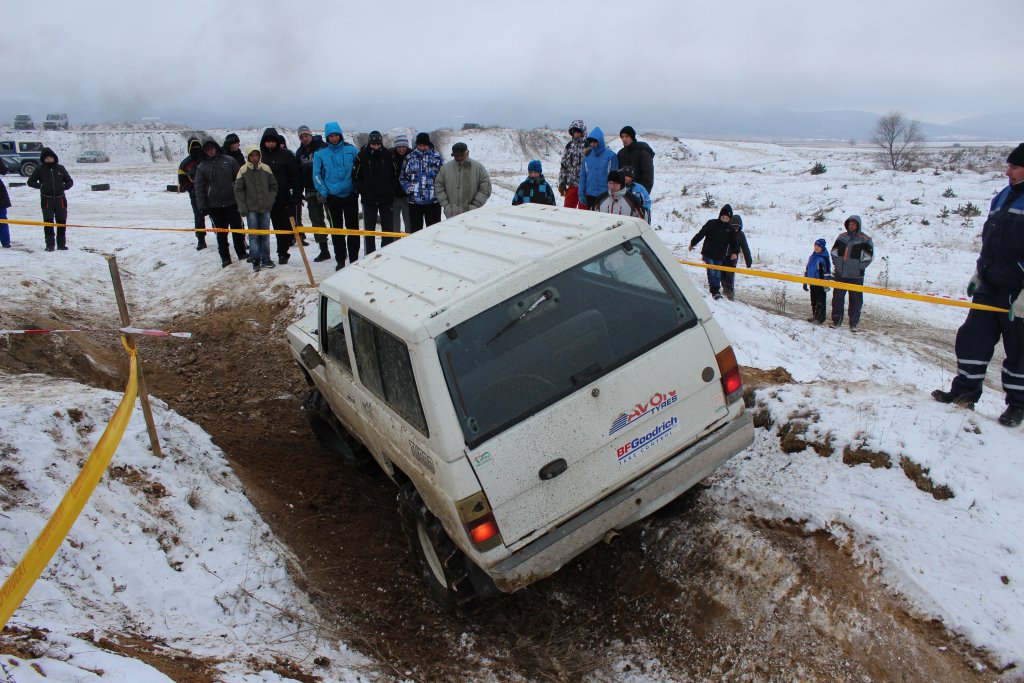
333	436
442	566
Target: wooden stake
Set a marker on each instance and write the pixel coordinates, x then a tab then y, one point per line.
302	250
122	308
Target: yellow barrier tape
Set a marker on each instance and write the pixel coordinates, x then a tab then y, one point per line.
39	554
245	231
851	287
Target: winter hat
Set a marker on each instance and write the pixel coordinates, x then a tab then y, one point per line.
423	139
231	139
303	129
820	242
401	140
627	171
628	130
210	143
459	148
375	138
1016	156
616	177
534	166
737	220
726	211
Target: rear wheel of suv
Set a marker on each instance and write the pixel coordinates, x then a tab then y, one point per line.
28	168
332	435
442	566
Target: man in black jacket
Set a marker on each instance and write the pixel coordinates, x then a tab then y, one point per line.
737	245
639	155
233	148
716	235
308	145
215	195
998	281
375	177
52	180
289	189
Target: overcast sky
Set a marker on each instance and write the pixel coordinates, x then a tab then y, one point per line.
426	64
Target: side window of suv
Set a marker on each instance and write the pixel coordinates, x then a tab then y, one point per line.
30	147
386	369
333	331
6	146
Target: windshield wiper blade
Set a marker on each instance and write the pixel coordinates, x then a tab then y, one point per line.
545	296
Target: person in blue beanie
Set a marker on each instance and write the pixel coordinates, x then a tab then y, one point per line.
534	190
819	266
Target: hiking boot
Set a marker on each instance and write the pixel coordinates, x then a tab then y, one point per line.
731	296
201	246
268	264
1012	416
244	255
853	328
323	256
963	400
283	258
50	247
341	264
225	262
833	325
717	296
62	248
255	266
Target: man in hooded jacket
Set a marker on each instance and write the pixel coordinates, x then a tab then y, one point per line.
737	245
852	253
332	175
308	146
375	176
572	159
598	162
716	234
215	196
186	183
285	168
52	179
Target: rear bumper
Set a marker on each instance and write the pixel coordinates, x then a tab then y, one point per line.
632	502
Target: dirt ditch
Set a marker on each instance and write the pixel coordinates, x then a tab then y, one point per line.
695	592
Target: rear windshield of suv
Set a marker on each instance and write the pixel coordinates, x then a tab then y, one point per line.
526	353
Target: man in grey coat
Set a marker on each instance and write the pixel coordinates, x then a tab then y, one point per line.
215	196
852	253
462	184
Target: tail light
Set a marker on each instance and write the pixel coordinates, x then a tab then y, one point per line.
478	521
732	383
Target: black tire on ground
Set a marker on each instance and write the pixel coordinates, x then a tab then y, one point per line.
444	568
100	187
16	184
333	436
172	188
28	168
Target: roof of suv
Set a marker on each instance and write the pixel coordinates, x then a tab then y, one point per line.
455	268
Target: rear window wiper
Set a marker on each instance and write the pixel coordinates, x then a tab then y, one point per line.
545	296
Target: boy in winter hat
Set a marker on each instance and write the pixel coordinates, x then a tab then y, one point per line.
534	190
572	160
618	199
255	192
51	179
819	266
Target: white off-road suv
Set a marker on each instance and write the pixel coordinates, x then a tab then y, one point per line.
534	378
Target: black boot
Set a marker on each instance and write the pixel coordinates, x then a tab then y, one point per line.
201	245
963	400
324	255
1012	416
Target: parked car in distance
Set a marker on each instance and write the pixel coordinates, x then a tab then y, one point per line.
23	122
92	157
20	156
56	122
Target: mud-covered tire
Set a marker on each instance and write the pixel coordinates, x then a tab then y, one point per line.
332	435
443	567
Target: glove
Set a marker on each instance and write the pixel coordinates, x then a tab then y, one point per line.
561	189
973	285
806	288
1017	308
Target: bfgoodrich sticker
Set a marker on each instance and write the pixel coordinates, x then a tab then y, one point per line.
631	449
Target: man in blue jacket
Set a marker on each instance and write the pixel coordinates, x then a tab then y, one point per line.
332	176
598	162
997	281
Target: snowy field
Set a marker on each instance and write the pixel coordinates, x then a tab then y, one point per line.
925	494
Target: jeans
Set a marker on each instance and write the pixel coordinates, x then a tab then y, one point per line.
5	230
839	299
714	276
371	211
259	245
729	279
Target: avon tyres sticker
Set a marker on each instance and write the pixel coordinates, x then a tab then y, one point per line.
657	402
631	449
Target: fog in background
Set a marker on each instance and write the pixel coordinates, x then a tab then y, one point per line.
664	64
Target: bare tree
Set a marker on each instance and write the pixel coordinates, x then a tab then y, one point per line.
900	139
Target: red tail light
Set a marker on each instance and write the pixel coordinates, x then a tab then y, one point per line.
732	383
478	521
483	530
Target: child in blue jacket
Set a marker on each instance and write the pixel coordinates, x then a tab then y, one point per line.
819	266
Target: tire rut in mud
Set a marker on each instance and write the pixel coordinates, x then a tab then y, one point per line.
684	595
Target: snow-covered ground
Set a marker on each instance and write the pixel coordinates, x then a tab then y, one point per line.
924	493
